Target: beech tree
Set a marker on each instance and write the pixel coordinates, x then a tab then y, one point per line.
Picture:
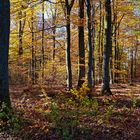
4	48
81	44
21	30
42	41
90	45
68	7
107	49
67	38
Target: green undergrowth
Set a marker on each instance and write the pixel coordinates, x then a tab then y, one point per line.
76	114
10	121
73	114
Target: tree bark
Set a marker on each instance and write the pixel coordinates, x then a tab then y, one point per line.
90	46
68	54
81	58
135	59
4	48
42	48
99	45
107	49
93	40
33	49
131	66
54	31
68	46
21	29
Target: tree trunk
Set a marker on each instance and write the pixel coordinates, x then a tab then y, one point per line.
102	42
54	31
90	47
33	50
21	29
42	49
20	50
4	47
68	54
131	65
99	45
107	49
135	59
115	50
93	41
54	41
81	60
68	8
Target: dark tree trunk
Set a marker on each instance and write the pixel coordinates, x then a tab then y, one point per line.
81	60
68	7
21	29
4	47
93	40
68	54
54	14
90	46
54	41
116	49
33	49
107	49
42	49
20	50
131	66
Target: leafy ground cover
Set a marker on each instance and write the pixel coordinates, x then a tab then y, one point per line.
46	114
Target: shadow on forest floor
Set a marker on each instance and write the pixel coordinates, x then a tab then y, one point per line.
109	118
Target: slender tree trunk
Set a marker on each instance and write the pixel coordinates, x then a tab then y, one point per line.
107	49
131	66
68	54
102	42
93	40
42	49
81	60
90	46
21	29
99	45
4	48
54	41
67	11
20	50
112	64
54	32
115	51
33	49
135	60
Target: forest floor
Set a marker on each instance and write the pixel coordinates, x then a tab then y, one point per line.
46	114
